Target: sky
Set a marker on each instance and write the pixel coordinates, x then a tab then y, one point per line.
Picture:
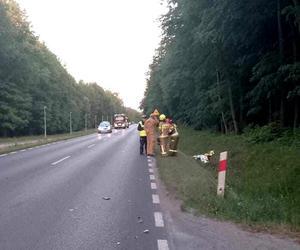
111	42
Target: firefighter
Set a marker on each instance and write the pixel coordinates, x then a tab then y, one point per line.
150	127
174	138
163	135
143	135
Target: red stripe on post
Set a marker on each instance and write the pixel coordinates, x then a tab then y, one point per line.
223	165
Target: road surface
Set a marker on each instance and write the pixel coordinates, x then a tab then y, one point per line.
92	192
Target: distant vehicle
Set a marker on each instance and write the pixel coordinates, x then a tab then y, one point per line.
121	121
104	127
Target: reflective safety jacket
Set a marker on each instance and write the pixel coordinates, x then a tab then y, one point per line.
141	129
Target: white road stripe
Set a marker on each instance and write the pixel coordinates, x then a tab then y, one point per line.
54	163
23	150
3	155
92	145
150	170
158	218
155	199
11	153
150	164
152	177
153	185
162	245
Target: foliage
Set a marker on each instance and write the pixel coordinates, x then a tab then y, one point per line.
225	64
31	78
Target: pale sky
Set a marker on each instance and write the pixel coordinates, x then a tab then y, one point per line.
110	42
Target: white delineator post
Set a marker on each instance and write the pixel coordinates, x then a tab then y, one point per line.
222	173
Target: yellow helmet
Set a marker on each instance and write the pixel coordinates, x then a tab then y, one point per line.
162	117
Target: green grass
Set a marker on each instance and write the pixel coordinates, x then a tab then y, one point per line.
262	180
10	144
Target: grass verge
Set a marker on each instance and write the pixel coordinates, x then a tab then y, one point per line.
262	182
16	143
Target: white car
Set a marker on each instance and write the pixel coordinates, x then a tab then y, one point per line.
104	127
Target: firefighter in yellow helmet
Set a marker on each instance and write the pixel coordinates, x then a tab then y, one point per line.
150	127
163	135
143	135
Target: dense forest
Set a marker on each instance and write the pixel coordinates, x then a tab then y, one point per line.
226	65
31	78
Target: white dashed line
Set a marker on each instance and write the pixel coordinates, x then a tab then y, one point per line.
152	177
155	199
54	163
162	245
23	150
150	170
30	148
11	153
153	185
150	164
92	145
158	218
3	155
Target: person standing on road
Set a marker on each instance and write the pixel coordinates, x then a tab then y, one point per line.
143	135
150	127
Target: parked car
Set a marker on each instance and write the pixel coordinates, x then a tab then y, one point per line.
104	127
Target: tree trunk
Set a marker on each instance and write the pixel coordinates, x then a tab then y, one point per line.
282	110
219	97
232	110
270	110
296	114
279	28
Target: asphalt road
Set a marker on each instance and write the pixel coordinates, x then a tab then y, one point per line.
53	196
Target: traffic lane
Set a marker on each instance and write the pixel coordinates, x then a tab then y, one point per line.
20	166
17	174
43	210
21	202
113	223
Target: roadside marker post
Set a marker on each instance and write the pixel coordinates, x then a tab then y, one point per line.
222	174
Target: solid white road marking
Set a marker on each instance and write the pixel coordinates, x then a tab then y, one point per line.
153	185
152	177
162	245
92	145
150	170
158	218
155	199
54	163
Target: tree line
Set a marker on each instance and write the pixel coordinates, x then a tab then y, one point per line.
228	64
32	79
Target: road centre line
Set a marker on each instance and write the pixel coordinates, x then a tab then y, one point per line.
150	164
155	199
92	145
3	155
152	177
153	185
150	170
162	245
54	163
11	153
23	150
158	218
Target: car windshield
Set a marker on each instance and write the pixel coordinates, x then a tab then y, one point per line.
104	124
119	118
